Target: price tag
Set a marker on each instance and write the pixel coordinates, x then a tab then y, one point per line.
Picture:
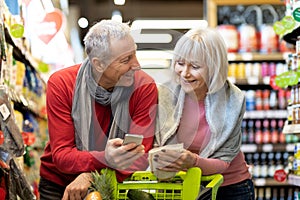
290	147
260	182
4	111
253	80
231	56
267	147
249	148
247	56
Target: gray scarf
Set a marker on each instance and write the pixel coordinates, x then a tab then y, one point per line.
87	91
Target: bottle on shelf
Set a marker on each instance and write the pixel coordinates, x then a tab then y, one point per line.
278	160
250	130
256	166
244	132
266	99
266	135
258	132
271	165
274	132
258	100
281	134
263	165
273	101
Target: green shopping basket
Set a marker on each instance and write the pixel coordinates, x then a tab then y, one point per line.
184	186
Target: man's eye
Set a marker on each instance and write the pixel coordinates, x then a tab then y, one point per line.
126	60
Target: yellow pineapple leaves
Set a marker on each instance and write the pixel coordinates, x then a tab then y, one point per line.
95	195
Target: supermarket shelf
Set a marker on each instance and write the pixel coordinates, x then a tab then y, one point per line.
294	179
259	182
250	80
256	57
263	114
252	148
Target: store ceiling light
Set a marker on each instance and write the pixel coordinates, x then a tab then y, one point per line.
119	2
151	38
117	16
83	22
168	24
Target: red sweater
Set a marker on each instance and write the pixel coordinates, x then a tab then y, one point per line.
62	161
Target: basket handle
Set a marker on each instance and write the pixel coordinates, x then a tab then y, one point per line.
214	182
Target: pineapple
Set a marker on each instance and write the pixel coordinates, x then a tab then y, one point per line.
103	183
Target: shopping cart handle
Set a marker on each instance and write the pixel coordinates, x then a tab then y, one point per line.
214	183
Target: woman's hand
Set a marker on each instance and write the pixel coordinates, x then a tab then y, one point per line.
120	156
78	188
173	161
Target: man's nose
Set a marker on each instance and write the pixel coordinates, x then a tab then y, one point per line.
135	65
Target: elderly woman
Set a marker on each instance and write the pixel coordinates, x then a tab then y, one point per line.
203	110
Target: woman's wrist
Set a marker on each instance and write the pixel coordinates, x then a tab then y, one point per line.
195	157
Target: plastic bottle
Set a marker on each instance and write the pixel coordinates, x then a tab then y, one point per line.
274	132
258	132
250	131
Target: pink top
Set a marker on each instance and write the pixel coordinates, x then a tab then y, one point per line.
194	123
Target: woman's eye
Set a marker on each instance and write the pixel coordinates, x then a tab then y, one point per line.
180	63
195	66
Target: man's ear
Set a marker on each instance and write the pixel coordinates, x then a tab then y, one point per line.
98	65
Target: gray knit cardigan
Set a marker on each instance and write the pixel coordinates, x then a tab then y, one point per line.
224	111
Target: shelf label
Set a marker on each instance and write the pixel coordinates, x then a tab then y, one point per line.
253	80
267	147
290	147
249	148
231	56
247	56
294	179
260	182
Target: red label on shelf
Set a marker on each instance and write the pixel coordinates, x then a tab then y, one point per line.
280	175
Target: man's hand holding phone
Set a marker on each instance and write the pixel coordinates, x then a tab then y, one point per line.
120	154
133	138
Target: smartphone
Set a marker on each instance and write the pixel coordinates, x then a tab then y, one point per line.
133	138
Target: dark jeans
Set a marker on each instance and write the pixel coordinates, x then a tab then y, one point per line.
49	190
239	191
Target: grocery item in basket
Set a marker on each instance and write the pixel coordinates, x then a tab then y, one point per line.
160	174
134	194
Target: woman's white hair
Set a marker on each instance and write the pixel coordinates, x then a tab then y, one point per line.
97	40
206	47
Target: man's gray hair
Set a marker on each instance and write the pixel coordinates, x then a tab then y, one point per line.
97	40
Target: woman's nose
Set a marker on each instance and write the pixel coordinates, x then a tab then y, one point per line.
185	71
